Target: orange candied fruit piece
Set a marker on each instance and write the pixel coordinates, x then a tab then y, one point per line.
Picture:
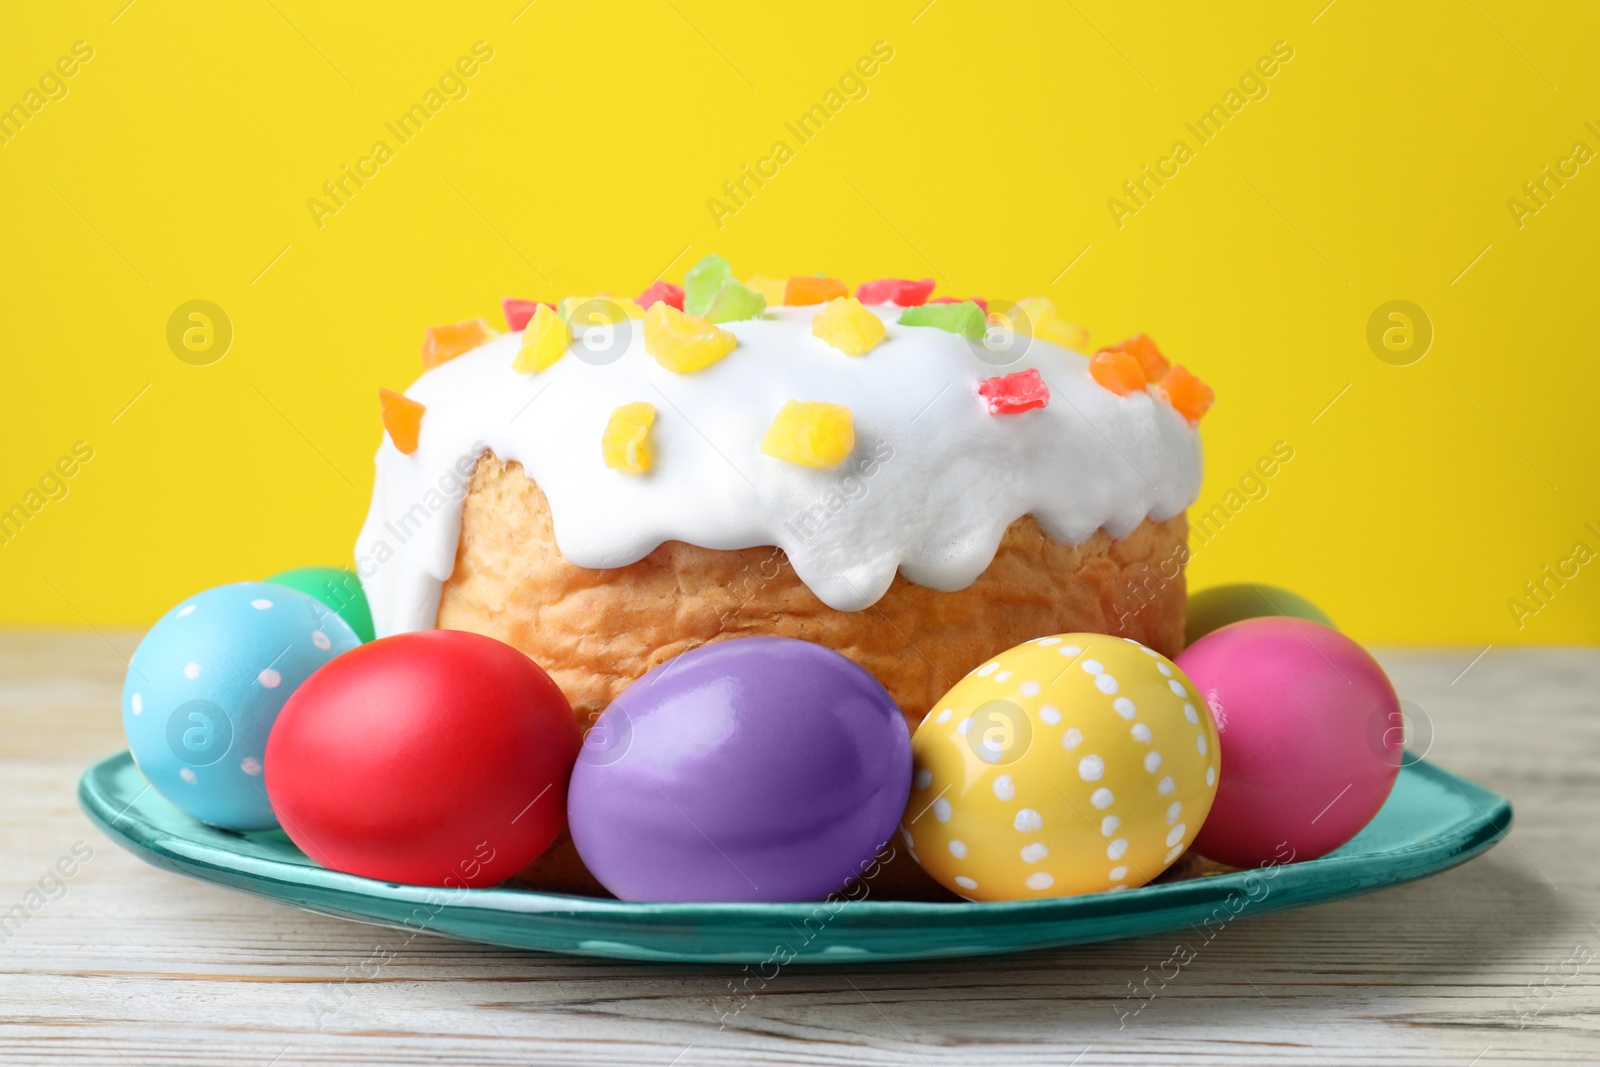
1117	371
1188	395
441	344
1141	348
402	417
808	289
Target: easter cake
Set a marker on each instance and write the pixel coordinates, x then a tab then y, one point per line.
758	591
910	482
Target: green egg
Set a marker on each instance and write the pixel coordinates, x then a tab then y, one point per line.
1214	608
336	587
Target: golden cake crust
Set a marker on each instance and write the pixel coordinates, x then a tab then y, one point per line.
596	631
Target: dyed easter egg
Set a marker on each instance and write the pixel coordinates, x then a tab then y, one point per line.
206	684
1212	609
431	758
1078	763
336	587
1306	719
754	769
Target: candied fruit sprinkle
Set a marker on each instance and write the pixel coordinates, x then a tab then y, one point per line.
441	344
982	303
700	285
1037	316
684	343
808	289
1188	395
1117	371
665	292
518	312
1066	334
810	433
544	340
602	309
402	417
965	318
734	301
849	327
625	445
1012	394
900	291
1141	348
771	289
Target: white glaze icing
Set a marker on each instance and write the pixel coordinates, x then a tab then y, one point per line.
931	487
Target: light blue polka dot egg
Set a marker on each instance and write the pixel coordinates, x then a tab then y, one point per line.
207	683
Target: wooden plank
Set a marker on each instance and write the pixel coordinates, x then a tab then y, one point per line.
130	965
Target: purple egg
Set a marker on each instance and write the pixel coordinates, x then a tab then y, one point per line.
756	769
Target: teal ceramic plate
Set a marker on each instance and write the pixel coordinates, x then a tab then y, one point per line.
1432	821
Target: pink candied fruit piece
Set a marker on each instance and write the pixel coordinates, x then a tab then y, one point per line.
664	292
1012	394
899	291
980	301
518	312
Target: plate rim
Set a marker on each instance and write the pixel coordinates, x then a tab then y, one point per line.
194	859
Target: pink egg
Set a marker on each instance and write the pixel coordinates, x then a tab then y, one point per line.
1309	731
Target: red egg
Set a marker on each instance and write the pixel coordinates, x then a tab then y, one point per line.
432	758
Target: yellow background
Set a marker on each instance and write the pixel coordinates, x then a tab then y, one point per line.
1378	167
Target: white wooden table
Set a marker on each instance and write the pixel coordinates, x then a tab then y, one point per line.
124	964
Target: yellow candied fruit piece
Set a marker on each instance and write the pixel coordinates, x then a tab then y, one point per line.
608	310
626	442
771	289
849	327
1038	316
684	343
810	433
1066	334
544	340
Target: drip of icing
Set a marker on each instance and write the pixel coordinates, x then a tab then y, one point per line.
929	491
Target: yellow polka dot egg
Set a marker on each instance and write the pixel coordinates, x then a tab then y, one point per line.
1079	763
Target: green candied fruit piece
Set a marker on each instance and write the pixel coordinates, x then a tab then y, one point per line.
734	302
965	318
700	285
